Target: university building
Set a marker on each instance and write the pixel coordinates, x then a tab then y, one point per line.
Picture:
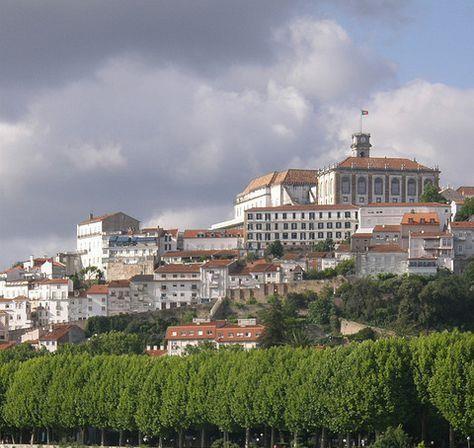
361	179
299	225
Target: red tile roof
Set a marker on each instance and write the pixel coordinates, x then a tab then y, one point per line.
462	225
178	268
58	332
424	234
98	218
54	281
201	253
387	228
7	345
383	163
217	264
386	248
420	218
156	352
362	236
406	204
304	207
98	289
119	284
287	177
466	191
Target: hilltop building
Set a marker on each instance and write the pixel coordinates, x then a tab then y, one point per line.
361	179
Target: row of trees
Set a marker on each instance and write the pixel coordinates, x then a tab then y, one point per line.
360	389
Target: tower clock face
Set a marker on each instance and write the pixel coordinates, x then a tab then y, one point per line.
363	139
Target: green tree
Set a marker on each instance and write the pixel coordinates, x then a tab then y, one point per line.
274	249
466	211
393	438
324	246
274	321
432	194
452	385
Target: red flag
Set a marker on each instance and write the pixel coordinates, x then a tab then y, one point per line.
364	112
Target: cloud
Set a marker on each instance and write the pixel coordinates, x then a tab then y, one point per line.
427	121
172	143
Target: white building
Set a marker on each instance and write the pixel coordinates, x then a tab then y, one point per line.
213	239
463	236
177	285
245	333
142	294
293	186
428	247
93	234
118	298
381	259
381	214
19	312
96	304
299	225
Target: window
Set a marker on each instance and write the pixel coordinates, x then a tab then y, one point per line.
311	235
277	236
411	187
250	216
303	226
284	215
285	226
347	225
338	234
395	188
329	225
294	236
258	216
285	236
378	186
329	235
320	225
338	225
320	235
361	185
345	185
294	226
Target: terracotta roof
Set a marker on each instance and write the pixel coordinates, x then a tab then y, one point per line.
57	333
383	163
54	281
406	204
420	218
98	218
263	267
205	233
178	268
304	207
214	331
386	248
343	248
173	232
288	177
387	228
7	345
201	253
424	234
156	352
217	264
119	284
15	299
466	191
98	289
312	255
462	225
362	235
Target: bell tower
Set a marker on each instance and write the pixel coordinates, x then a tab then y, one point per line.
361	144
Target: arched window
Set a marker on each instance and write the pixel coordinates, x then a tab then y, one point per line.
395	189
411	187
361	185
378	186
345	185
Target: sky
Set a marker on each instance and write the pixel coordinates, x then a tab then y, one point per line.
166	109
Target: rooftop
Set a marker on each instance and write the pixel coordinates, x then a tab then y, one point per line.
304	207
178	269
387	248
383	163
420	219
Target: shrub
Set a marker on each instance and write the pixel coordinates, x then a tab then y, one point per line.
393	438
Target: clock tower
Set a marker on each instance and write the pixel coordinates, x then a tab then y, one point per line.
361	144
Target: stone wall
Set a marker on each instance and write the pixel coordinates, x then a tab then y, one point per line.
121	271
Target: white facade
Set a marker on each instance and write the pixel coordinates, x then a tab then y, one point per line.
92	237
19	312
212	240
299	225
380	260
392	214
177	285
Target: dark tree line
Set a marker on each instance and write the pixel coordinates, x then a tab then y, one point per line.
308	395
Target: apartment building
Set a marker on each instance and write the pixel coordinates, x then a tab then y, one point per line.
245	333
463	241
18	310
299	225
177	285
213	239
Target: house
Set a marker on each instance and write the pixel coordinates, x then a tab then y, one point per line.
245	333
415	222
118	298
466	191
231	239
463	241
434	246
18	310
93	235
142	293
59	335
177	285
215	279
96	304
381	259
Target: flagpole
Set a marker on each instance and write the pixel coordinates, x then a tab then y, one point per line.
360	122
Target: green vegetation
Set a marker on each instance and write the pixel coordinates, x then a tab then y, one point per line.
466	211
274	249
324	246
345	267
432	194
299	394
408	304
